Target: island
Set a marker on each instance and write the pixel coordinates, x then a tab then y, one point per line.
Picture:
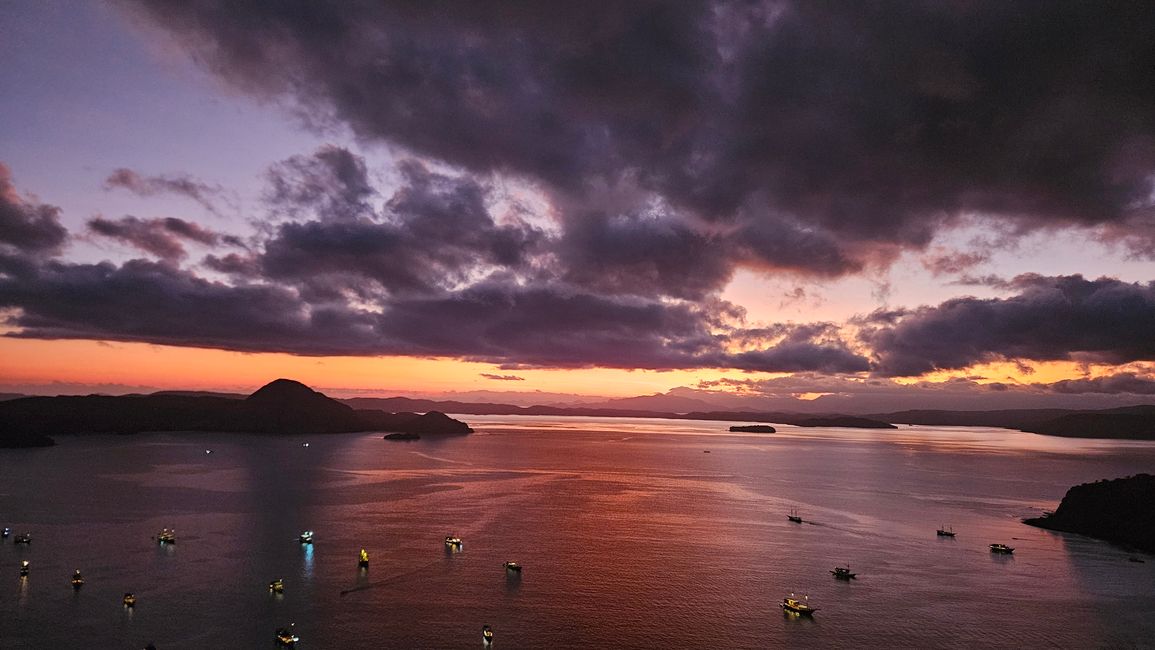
283	406
845	421
754	428
402	436
1117	511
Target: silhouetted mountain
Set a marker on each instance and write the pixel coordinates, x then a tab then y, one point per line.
4	397
845	421
657	402
283	406
1117	511
197	393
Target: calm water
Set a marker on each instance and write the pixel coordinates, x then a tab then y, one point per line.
630	535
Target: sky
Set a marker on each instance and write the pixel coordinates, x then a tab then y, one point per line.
760	204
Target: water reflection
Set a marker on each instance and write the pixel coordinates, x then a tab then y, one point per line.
307	563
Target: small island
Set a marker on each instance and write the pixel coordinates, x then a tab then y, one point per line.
402	436
754	428
1117	511
846	421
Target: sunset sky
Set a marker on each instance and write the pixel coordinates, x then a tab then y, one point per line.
860	205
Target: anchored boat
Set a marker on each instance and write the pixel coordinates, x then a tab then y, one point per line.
792	605
486	634
286	637
1002	548
945	531
77	580
793	516
843	573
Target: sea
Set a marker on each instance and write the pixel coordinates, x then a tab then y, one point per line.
632	533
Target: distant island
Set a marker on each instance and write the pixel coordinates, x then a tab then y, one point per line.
1118	511
754	428
283	406
846	421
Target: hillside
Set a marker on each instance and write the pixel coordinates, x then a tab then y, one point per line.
1116	510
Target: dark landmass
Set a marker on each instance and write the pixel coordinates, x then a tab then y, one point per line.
1118	511
846	421
1007	419
754	428
25	441
402	436
4	397
1133	423
283	406
1128	422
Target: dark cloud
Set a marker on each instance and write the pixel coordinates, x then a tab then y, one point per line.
502	377
27	226
161	237
1052	318
850	127
434	233
953	262
179	184
332	183
534	326
157	303
1123	382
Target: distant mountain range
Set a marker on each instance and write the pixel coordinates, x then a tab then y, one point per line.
1132	422
302	411
282	406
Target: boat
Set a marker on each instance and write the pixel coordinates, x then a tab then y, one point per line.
23	538
129	599
277	586
5	533
452	541
77	580
486	634
363	560
792	605
24	568
286	637
793	516
843	573
512	566
306	537
1002	548
945	531
166	536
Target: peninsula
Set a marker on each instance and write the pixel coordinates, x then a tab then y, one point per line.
283	406
1117	511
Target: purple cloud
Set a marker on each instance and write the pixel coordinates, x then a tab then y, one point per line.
1052	318
27	226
